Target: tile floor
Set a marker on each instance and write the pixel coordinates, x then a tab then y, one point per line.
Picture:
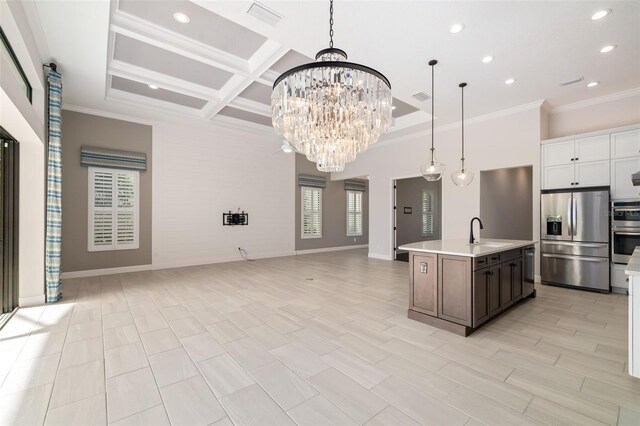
310	340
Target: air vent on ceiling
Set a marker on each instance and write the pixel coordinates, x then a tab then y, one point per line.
568	82
421	96
264	14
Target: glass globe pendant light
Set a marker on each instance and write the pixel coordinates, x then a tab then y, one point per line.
432	170
462	177
331	110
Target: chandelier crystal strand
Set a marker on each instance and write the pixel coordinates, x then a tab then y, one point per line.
462	177
432	171
331	110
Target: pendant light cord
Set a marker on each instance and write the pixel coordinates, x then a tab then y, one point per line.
462	87
432	64
331	24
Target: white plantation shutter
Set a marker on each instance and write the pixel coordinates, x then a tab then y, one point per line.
311	212
354	213
427	213
113	209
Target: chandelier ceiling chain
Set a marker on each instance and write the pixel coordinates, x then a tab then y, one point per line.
331	110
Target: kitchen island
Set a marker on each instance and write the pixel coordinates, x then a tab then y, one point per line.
458	286
633	270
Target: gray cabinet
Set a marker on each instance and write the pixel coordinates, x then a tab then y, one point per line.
454	289
424	283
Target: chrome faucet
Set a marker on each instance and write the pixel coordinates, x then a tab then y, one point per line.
472	239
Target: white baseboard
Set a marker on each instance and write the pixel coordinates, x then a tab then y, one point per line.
209	261
327	249
537	279
380	256
25	302
105	271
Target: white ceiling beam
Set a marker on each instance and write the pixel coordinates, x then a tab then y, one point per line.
145	76
152	103
139	29
251	106
267	55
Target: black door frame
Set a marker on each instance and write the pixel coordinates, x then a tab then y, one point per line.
9	222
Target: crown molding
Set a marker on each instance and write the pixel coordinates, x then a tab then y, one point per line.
419	129
106	114
33	18
219	122
596	101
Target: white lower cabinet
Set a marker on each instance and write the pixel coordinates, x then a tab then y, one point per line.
556	177
619	280
594	173
621	171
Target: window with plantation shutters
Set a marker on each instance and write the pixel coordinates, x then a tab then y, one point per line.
311	212
427	213
354	213
113	209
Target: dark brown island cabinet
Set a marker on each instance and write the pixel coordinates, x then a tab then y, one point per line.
459	293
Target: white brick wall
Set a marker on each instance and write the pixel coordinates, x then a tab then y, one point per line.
199	173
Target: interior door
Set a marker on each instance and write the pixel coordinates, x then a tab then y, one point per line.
591	216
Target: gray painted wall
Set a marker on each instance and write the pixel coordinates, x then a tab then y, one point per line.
409	194
334	211
85	129
506	203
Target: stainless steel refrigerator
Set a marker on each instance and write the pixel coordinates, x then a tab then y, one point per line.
575	238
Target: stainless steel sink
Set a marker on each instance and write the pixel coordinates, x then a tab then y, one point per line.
491	244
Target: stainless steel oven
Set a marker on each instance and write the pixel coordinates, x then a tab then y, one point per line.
623	243
625	230
625	214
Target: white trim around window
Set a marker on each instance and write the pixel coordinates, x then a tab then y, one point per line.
428	225
311	212
354	213
114	205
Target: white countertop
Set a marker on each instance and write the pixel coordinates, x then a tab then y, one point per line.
633	267
482	247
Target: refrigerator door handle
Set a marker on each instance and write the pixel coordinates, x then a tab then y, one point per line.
581	258
574	202
569	210
590	245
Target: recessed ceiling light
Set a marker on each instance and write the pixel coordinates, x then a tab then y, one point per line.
510	81
393	107
600	14
456	28
181	17
152	86
593	84
608	48
487	59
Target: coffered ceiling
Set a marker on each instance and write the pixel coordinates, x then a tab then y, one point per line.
133	57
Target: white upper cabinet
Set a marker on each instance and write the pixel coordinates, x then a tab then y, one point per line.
554	154
557	177
621	171
625	144
595	148
593	173
606	159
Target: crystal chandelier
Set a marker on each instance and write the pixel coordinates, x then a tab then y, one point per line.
331	110
462	177
432	171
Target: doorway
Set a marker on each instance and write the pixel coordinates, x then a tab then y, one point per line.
506	203
417	208
9	164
